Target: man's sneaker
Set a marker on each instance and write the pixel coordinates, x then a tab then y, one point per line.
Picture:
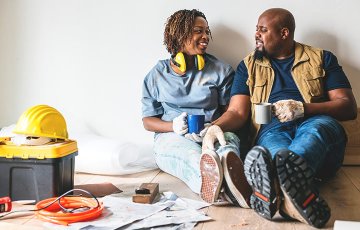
260	174
301	199
211	176
237	189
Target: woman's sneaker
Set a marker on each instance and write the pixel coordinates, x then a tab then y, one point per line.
260	173
301	199
211	176
237	189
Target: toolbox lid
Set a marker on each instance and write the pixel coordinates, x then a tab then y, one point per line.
51	150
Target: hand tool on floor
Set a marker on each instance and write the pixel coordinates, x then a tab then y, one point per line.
5	204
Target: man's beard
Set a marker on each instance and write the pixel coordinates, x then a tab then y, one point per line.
258	55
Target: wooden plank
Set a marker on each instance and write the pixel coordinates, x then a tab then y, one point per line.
226	217
353	173
342	196
10	226
352	156
231	217
341	192
170	183
352	151
146	198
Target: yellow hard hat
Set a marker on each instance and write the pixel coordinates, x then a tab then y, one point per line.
42	121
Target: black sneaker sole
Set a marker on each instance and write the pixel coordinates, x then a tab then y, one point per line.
260	174
301	201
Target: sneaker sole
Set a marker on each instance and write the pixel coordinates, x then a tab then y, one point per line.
211	177
301	201
235	179
259	172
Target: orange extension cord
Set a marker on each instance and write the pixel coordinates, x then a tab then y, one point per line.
54	212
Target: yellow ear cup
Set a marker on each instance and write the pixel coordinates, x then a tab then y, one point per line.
180	60
200	62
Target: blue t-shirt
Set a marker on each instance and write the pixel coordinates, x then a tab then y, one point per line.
168	94
284	86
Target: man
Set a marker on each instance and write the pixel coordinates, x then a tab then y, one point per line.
309	92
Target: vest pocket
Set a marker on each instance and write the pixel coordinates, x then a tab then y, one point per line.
256	88
314	81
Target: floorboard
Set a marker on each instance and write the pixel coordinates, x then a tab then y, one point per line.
341	192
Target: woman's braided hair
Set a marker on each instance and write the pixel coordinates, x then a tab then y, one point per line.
178	29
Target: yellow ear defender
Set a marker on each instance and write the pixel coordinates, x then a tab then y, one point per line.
179	61
199	62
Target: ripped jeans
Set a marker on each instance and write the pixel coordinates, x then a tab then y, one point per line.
180	157
320	140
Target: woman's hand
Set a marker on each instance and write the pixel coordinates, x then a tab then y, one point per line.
180	124
198	137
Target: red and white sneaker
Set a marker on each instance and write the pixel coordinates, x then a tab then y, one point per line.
211	176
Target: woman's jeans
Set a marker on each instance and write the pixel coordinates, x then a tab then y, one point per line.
180	157
320	140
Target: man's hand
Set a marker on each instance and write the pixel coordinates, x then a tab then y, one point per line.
213	134
288	110
180	124
198	137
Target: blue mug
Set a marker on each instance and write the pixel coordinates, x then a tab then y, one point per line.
195	123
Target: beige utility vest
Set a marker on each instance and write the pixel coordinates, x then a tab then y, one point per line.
307	72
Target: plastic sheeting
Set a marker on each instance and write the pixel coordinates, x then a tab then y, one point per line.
101	155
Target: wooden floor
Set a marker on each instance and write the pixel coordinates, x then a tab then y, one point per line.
342	193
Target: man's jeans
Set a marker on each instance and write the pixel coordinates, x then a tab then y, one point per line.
180	157
320	140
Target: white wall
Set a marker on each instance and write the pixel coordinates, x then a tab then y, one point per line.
87	58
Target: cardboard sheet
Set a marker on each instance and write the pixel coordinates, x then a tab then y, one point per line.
98	190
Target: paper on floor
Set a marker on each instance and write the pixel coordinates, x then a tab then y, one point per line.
119	212
347	225
170	212
182	215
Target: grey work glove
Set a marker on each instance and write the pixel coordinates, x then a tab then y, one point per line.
198	137
288	110
179	124
213	134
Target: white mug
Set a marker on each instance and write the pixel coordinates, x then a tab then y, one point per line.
263	113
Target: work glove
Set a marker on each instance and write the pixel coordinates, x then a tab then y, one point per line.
213	134
180	124
288	110
198	137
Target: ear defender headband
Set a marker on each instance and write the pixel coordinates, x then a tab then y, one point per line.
179	61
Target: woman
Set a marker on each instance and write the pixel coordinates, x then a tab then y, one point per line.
192	82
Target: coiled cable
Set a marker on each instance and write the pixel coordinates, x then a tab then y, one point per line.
65	209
